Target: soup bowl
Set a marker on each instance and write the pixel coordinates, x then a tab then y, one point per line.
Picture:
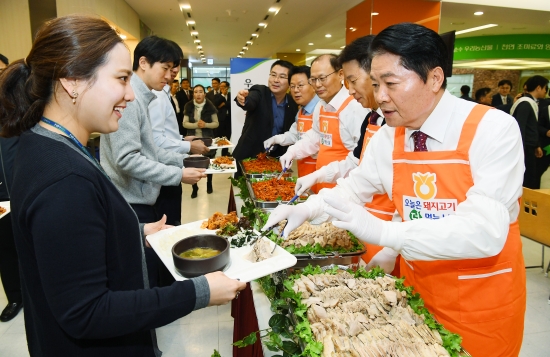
206	141
191	268
200	162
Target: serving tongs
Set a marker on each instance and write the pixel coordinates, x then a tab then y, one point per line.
284	171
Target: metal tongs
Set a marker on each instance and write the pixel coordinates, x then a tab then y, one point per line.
263	234
284	171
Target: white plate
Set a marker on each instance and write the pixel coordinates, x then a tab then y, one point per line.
215	147
224	171
6	206
239	268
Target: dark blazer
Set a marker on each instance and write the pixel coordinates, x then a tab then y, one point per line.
465	97
528	123
8	147
544	123
497	100
258	124
182	99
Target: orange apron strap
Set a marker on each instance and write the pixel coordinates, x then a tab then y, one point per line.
470	126
345	104
399	140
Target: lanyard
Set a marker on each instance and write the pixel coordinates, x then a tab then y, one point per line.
75	140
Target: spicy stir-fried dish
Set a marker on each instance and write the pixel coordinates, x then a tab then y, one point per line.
274	190
223	160
223	141
220	220
261	164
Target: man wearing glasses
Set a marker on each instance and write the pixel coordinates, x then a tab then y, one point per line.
269	111
304	95
336	133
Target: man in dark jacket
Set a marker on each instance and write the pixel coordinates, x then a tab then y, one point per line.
544	137
503	96
9	263
269	111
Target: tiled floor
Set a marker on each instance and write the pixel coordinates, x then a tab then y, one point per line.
199	333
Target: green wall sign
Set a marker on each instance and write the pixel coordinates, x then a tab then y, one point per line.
504	46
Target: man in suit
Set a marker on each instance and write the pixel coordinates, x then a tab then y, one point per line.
183	96
269	111
503	96
224	114
465	91
483	96
544	137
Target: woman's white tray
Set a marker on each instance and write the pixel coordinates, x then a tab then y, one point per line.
226	169
5	205
239	267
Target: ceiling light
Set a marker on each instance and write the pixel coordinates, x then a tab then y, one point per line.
478	13
375	13
191	22
122	36
194	33
352	29
186	6
255	35
328	35
262	24
199	47
197	41
249	42
239	56
242	53
297	50
311	43
475	29
272	9
342	46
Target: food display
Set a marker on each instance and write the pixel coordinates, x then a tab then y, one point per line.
223	160
222	141
262	164
261	250
325	234
220	220
2	210
274	189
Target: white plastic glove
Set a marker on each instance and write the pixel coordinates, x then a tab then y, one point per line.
286	160
277	139
295	216
385	259
308	181
353	217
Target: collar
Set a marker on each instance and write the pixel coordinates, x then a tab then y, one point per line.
337	100
141	90
438	121
283	103
309	107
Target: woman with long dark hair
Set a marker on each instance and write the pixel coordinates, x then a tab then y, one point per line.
200	118
80	245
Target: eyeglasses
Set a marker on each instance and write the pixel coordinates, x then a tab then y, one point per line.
321	79
299	87
280	76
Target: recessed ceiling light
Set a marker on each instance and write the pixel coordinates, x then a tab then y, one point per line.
255	35
475	29
186	6
122	36
262	24
298	50
375	13
328	35
197	41
352	29
199	47
242	53
249	42
478	13
239	56
245	48
194	33
311	43
342	46
191	22
272	9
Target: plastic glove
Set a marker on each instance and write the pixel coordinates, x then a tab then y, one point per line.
385	259
277	139
286	160
353	217
295	216
308	181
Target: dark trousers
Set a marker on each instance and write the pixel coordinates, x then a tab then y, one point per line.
530	177
156	270
9	262
169	203
542	166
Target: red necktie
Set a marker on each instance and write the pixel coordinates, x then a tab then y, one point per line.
373	118
420	141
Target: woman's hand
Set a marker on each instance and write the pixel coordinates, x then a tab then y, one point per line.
222	288
201	124
154	227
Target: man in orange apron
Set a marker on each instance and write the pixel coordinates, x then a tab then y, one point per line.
304	95
340	118
455	186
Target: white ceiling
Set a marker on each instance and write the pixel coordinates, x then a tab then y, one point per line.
225	26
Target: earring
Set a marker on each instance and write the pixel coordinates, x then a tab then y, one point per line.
75	95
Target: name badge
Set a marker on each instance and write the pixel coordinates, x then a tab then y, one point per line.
326	139
435	208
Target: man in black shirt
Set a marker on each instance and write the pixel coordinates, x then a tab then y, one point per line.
525	110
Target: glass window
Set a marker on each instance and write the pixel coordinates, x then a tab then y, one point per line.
458	80
204	75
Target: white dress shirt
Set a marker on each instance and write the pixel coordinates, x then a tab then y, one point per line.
480	225
165	125
351	118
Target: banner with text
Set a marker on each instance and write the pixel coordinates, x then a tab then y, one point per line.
505	46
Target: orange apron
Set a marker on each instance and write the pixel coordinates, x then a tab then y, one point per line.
483	299
308	164
381	206
331	147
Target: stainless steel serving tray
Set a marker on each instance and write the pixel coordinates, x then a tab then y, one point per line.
266	205
263	175
337	258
